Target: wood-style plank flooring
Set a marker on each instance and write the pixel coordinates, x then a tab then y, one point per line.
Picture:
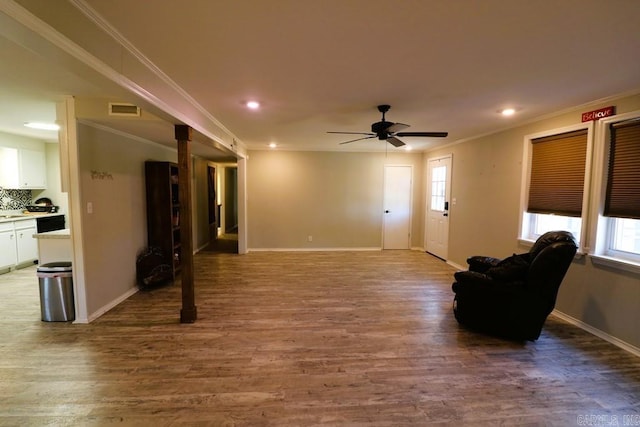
297	339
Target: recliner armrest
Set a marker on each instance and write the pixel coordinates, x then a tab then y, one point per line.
471	278
474	282
481	264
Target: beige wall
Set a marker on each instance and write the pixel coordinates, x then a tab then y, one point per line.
486	182
199	196
335	197
116	230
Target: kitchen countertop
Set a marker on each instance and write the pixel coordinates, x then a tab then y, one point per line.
57	234
7	216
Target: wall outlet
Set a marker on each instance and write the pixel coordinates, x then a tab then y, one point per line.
310	238
89	207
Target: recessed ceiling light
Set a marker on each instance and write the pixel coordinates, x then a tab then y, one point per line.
273	145
42	126
253	105
408	148
508	112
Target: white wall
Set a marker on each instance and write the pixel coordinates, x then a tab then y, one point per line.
20	141
53	190
112	180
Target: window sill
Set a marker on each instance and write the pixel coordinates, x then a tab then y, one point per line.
526	242
529	243
616	263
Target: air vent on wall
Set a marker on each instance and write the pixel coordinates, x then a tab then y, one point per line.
120	109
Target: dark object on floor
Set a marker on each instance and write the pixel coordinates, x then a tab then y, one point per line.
151	269
511	298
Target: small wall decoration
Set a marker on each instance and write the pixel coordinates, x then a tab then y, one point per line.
101	175
598	114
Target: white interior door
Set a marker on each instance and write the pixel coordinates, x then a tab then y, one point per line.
438	196
397	207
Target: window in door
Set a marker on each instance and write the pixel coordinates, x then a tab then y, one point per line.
438	188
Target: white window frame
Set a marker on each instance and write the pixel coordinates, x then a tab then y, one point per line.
609	250
527	220
601	228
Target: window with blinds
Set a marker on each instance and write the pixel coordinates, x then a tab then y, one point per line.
623	179
556	182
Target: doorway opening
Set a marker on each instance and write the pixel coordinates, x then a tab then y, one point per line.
397	207
222	184
438	196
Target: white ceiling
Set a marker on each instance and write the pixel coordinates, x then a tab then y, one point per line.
29	89
319	66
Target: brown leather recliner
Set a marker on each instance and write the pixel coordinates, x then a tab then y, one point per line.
512	298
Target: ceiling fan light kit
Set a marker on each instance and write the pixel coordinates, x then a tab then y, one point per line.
389	131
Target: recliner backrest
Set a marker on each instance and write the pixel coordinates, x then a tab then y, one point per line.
548	238
549	266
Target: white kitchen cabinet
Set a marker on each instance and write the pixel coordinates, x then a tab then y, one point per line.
8	256
26	244
32	169
22	168
17	244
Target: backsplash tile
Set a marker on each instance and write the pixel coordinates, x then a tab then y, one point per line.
14	199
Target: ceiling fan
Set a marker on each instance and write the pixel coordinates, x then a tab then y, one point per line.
389	131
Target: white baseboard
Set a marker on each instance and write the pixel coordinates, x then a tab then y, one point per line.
200	248
312	249
457	266
102	310
597	332
324	249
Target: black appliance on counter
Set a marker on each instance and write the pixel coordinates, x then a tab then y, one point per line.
43	205
42	208
50	223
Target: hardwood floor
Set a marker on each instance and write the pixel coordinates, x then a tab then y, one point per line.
296	339
225	243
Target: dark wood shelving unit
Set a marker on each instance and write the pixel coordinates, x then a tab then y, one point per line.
163	211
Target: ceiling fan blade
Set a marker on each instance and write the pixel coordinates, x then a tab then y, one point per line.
396	127
428	134
358	139
353	133
395	141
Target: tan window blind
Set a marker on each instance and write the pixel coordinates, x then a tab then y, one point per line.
623	180
557	174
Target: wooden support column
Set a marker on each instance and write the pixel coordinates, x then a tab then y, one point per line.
188	313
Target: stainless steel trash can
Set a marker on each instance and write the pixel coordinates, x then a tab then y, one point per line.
56	292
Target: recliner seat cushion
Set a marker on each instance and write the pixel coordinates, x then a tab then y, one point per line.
511	268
